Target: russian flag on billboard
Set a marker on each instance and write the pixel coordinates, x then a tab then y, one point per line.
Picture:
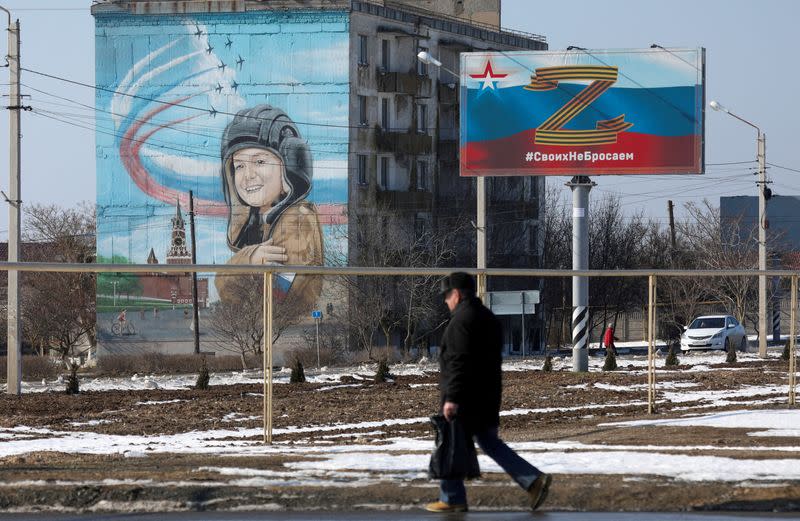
582	112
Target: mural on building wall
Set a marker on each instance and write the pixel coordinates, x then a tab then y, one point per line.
249	111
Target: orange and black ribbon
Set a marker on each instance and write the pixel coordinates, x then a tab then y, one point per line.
550	132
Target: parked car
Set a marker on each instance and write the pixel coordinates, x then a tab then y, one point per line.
714	332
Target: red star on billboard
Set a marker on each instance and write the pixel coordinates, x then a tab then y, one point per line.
489	77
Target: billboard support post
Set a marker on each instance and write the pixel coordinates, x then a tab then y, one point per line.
580	185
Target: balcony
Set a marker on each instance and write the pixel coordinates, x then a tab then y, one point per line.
448	95
403	199
403	142
404	83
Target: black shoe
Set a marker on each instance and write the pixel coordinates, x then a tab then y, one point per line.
539	490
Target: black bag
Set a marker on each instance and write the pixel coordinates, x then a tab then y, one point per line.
454	455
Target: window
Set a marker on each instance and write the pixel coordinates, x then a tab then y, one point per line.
362	169
383	176
422	175
385	56
422	118
420	224
362	50
362	110
422	67
385	121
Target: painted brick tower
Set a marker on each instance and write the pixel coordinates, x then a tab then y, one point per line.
178	252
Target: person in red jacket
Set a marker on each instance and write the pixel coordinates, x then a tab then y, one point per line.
608	339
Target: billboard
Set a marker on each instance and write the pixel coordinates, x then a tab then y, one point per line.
582	112
249	111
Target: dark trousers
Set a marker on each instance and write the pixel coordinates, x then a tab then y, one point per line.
453	491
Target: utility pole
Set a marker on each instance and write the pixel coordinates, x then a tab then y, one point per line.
196	314
580	185
762	244
670	208
14	360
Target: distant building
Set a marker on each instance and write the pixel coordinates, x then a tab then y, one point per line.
739	215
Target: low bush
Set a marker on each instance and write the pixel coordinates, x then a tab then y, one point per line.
610	363
307	356
731	358
382	374
785	353
202	377
548	364
73	384
34	368
157	363
298	375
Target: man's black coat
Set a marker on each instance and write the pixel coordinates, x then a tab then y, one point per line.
469	363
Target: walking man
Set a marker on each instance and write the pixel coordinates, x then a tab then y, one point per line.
470	384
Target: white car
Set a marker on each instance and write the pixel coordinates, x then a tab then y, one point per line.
714	332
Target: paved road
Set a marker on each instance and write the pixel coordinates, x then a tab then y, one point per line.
406	516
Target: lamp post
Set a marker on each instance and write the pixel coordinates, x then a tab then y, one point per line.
480	225
762	229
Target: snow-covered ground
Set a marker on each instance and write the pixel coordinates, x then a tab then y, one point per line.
407	458
700	361
328	462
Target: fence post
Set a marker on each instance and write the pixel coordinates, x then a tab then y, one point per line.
792	335
267	357
651	358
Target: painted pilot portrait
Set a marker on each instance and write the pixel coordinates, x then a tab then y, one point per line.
267	174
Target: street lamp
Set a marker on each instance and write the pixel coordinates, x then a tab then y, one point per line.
426	58
762	230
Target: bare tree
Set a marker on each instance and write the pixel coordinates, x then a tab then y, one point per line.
59	310
717	247
238	323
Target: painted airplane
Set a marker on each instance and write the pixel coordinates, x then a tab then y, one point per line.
209	49
240	61
198	32
218	88
213	112
228	43
234	85
221	66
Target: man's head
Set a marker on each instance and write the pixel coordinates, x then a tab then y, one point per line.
457	287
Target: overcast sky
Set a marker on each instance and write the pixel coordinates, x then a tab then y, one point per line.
751	69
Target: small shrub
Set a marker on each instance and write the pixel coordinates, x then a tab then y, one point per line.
548	364
785	353
382	374
731	358
610	363
298	374
73	384
672	357
203	377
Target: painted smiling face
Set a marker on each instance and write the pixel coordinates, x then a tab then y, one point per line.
258	175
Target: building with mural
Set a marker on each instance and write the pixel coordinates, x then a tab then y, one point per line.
291	122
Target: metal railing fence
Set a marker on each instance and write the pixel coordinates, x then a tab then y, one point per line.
269	272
